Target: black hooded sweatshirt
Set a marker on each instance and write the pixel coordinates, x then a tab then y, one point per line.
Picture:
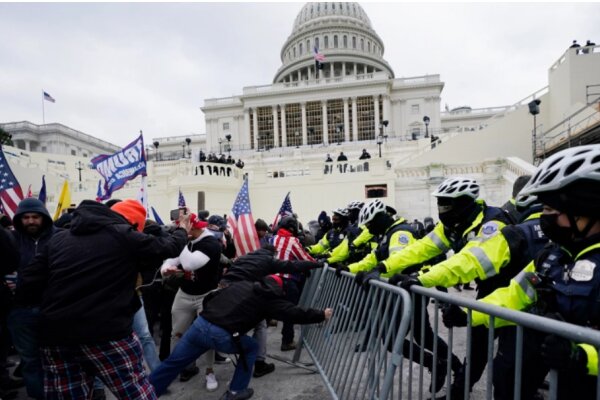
242	305
86	276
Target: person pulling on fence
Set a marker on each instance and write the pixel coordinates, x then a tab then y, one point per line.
562	283
253	267
494	260
227	315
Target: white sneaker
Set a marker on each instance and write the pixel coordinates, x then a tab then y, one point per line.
211	382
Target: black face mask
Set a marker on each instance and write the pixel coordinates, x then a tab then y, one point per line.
379	224
558	234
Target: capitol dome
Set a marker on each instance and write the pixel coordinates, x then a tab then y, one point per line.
343	34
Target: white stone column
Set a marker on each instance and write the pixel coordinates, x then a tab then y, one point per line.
344	68
347	128
376	109
283	127
310	76
354	119
304	130
255	123
299	75
245	136
355	70
324	119
331	70
275	128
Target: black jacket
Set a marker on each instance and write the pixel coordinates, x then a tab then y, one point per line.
206	278
262	262
28	246
86	276
242	305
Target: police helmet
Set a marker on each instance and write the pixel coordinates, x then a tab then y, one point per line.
369	211
457	187
355	205
564	168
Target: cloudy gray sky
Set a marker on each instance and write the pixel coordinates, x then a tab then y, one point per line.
117	68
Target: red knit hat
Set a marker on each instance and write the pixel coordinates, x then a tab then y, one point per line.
277	279
196	222
133	211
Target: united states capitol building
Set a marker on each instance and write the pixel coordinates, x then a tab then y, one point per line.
284	130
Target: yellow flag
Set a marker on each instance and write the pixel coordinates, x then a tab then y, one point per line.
64	201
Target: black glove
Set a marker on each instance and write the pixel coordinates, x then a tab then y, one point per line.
396	279
339	268
408	281
453	316
562	354
373	274
359	277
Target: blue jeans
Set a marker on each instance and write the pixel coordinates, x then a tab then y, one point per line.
140	327
199	338
23	324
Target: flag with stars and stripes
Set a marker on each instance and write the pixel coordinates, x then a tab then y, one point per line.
241	222
10	190
181	200
284	210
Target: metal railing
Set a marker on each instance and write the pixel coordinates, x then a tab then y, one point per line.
367	349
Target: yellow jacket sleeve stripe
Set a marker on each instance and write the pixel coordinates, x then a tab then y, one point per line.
484	261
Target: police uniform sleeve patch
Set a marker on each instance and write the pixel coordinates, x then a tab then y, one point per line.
489	229
403	239
583	271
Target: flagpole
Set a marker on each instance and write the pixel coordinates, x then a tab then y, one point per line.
43	110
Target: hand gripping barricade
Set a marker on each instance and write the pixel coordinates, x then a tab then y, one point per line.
359	352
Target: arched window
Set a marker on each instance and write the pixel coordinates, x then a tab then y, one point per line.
300	49
317	43
362	44
308	45
369	47
353	42
335	41
294	52
326	42
345	41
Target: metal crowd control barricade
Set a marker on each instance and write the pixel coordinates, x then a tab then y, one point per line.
351	350
460	339
359	352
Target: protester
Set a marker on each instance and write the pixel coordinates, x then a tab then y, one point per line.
84	280
222	325
200	261
33	230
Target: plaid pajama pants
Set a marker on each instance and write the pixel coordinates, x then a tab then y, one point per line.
69	371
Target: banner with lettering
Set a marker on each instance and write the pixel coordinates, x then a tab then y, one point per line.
121	167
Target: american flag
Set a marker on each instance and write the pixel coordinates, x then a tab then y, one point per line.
181	200
245	237
319	57
10	190
49	98
285	209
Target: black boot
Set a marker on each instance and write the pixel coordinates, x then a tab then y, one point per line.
262	368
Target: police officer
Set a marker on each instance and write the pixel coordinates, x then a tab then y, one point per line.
333	237
463	218
568	185
357	243
494	260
